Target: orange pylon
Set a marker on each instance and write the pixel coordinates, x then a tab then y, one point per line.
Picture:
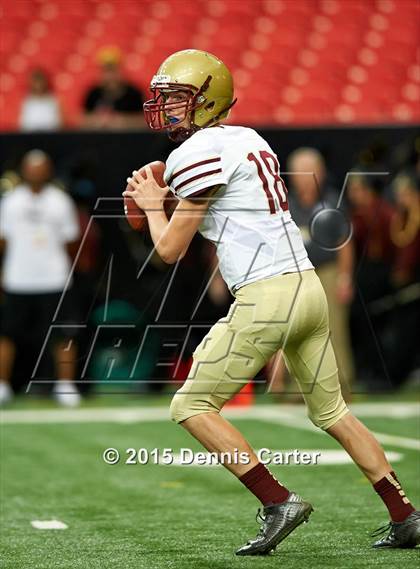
245	398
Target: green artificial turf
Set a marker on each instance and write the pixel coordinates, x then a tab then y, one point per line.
157	517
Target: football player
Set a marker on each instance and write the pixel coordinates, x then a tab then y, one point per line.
230	190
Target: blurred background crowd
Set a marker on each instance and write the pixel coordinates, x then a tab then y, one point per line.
334	87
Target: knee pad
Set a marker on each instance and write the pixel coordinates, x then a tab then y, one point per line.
326	419
186	405
315	420
176	410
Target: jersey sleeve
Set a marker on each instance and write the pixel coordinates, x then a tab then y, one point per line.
196	166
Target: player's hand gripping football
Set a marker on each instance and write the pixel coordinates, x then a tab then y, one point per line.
146	192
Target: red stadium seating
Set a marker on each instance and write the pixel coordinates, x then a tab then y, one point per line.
294	62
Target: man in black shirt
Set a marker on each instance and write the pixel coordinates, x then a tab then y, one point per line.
114	103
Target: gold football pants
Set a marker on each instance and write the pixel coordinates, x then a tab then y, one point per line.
287	312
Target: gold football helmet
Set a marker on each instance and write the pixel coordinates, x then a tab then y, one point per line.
208	86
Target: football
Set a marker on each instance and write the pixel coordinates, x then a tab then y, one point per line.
136	216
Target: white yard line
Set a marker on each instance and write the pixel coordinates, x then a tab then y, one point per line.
292	457
91	415
402	442
289	420
295	413
391	410
284	414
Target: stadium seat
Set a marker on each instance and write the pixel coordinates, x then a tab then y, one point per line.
303	56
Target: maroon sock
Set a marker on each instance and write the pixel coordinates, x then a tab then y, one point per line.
264	486
389	489
392	473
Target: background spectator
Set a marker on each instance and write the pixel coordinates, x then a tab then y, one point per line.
309	194
405	230
405	278
113	103
371	218
40	108
38	224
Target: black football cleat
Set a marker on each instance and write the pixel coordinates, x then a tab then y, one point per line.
278	521
404	534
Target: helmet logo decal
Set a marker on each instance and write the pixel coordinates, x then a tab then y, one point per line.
160	79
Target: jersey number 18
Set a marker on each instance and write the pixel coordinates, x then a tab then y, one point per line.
268	163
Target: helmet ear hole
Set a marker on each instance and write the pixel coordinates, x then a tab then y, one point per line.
210	106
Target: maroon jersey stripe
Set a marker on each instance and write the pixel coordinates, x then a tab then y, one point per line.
197	177
195	165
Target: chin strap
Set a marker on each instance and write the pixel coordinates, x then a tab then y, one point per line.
181	134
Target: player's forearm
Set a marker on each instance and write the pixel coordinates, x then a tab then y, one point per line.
158	225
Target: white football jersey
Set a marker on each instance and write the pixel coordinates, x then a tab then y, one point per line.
36	227
248	219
